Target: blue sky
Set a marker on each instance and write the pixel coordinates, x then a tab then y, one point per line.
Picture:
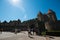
26	9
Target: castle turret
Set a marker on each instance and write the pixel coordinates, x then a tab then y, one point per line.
52	15
40	16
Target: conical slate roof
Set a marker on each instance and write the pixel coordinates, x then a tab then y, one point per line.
50	11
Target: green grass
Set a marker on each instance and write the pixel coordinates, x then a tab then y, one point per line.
43	33
54	31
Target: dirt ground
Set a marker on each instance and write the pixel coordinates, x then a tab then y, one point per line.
24	36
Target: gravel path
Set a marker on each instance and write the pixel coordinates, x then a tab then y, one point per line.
23	36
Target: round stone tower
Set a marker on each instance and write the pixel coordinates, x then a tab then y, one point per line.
40	16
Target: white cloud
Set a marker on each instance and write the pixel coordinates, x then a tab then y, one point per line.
18	4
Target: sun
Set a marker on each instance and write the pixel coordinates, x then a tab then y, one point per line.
15	2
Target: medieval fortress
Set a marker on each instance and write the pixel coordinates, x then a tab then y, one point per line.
41	23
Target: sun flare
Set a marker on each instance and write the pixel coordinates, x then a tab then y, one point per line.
15	2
